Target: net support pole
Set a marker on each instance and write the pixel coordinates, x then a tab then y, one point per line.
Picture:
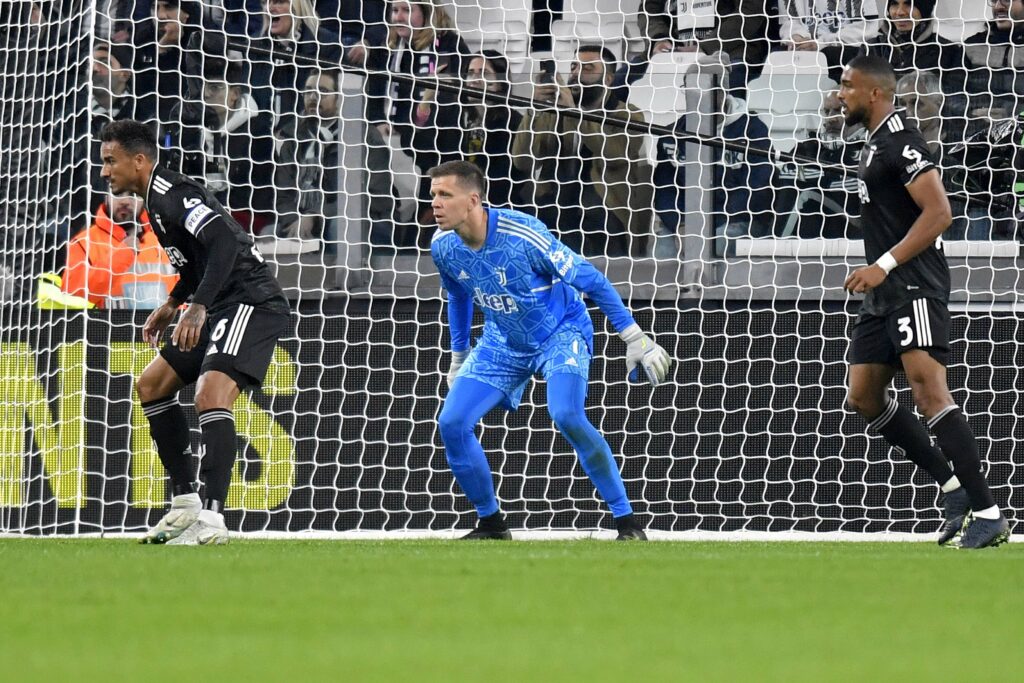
353	178
698	251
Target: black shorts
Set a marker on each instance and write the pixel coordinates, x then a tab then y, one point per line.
237	340
921	324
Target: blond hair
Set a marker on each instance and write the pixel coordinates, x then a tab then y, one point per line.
302	12
435	20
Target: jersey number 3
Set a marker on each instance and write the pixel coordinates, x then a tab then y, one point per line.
906	330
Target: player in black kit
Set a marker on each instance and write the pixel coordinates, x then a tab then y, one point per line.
904	319
225	340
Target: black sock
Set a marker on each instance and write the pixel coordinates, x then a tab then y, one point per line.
495	522
170	432
902	429
956	440
220	446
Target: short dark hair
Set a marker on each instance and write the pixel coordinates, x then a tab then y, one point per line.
611	63
876	67
134	137
468	174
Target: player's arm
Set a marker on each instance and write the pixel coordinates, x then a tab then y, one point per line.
562	262
925	187
212	231
460	315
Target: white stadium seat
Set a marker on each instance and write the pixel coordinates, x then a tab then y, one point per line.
960	19
787	95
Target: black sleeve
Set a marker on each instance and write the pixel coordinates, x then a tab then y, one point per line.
185	286
909	156
209	227
221	251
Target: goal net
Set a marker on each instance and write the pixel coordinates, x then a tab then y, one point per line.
693	151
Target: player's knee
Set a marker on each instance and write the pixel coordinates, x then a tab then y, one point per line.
150	387
452	425
868	404
568	420
930	399
210	398
216	390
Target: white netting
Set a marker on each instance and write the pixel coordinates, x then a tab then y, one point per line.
712	180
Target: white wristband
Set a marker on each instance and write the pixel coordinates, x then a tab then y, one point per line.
886	262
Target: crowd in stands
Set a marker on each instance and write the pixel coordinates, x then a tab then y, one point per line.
247	95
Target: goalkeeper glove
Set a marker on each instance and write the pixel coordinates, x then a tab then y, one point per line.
458	358
643	351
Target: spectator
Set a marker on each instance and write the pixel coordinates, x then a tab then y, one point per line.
231	149
588	173
243	18
406	119
837	28
921	95
33	232
742	199
740	29
818	199
159	66
122	19
485	129
112	96
984	169
112	100
995	69
306	172
740	32
908	40
291	30
118	261
360	24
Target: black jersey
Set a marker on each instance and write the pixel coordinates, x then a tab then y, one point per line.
195	230
895	154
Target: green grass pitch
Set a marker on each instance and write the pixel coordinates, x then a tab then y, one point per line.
112	610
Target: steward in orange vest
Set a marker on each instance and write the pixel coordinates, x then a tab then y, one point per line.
118	262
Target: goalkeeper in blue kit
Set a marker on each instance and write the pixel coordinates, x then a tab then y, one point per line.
528	286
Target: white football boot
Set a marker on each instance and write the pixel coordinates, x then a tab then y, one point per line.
183	513
209	529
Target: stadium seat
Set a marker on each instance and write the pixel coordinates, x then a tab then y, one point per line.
787	95
509	36
661	93
958	20
494	25
474	15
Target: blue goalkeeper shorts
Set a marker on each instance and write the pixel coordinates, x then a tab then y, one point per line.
566	351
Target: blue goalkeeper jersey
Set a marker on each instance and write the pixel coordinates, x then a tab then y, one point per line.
526	282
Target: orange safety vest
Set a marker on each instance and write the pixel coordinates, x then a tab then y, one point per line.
110	273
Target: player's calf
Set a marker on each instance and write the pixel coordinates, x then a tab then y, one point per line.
182	515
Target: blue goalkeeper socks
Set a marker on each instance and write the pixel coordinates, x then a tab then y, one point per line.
467	403
567	394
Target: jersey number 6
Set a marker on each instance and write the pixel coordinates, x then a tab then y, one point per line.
222	325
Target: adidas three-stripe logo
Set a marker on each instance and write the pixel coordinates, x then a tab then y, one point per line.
233	339
160	186
507	227
922	323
